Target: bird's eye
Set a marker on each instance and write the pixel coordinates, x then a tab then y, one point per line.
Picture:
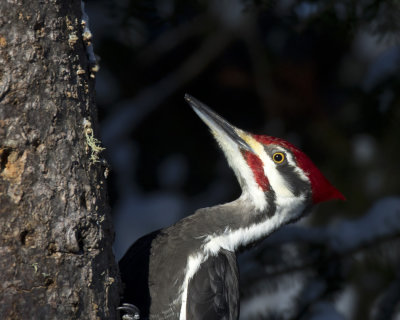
278	157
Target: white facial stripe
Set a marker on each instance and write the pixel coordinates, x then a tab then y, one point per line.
276	180
280	149
293	163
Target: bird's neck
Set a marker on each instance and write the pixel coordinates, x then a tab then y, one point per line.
240	223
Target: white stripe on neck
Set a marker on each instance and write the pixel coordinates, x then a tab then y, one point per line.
231	240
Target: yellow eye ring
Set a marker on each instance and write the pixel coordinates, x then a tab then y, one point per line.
278	157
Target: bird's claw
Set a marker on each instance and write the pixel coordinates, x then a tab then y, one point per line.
131	311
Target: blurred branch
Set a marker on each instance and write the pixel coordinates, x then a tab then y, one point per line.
260	65
170	39
133	111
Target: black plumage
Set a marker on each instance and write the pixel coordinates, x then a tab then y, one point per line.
134	269
153	268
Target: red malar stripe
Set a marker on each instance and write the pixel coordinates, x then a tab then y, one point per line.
256	166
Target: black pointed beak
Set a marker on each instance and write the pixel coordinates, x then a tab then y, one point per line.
216	122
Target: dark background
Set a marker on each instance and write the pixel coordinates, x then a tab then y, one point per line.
321	74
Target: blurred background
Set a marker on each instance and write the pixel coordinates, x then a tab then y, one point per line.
322	74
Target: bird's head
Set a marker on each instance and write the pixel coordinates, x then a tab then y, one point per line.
268	169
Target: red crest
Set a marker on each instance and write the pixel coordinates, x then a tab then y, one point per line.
322	189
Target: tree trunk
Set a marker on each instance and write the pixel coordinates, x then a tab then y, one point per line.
56	259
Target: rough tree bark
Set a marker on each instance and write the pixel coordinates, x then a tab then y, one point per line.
56	259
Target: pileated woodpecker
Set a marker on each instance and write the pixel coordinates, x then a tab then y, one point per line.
189	270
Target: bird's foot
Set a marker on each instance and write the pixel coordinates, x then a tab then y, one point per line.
131	311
